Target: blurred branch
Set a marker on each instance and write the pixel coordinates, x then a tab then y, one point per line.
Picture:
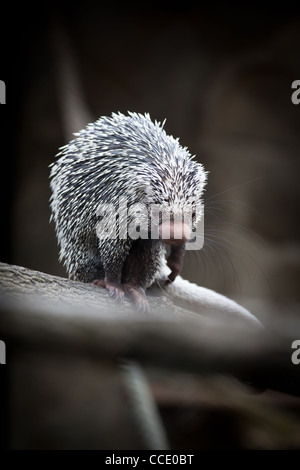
47	312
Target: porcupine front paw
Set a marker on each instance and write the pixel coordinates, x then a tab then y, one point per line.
138	296
175	262
115	290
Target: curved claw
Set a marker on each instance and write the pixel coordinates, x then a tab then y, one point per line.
142	305
115	290
172	276
139	297
169	279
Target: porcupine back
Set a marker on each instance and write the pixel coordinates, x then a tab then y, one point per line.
114	156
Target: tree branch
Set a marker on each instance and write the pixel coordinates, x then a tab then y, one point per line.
44	311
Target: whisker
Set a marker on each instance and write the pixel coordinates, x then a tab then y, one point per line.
213	230
234	201
162	289
236	187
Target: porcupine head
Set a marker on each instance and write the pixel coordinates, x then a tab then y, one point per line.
120	190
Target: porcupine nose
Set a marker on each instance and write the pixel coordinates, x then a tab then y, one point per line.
174	233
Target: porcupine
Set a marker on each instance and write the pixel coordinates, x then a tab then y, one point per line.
131	156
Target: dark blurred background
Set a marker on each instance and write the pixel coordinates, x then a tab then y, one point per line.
221	75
